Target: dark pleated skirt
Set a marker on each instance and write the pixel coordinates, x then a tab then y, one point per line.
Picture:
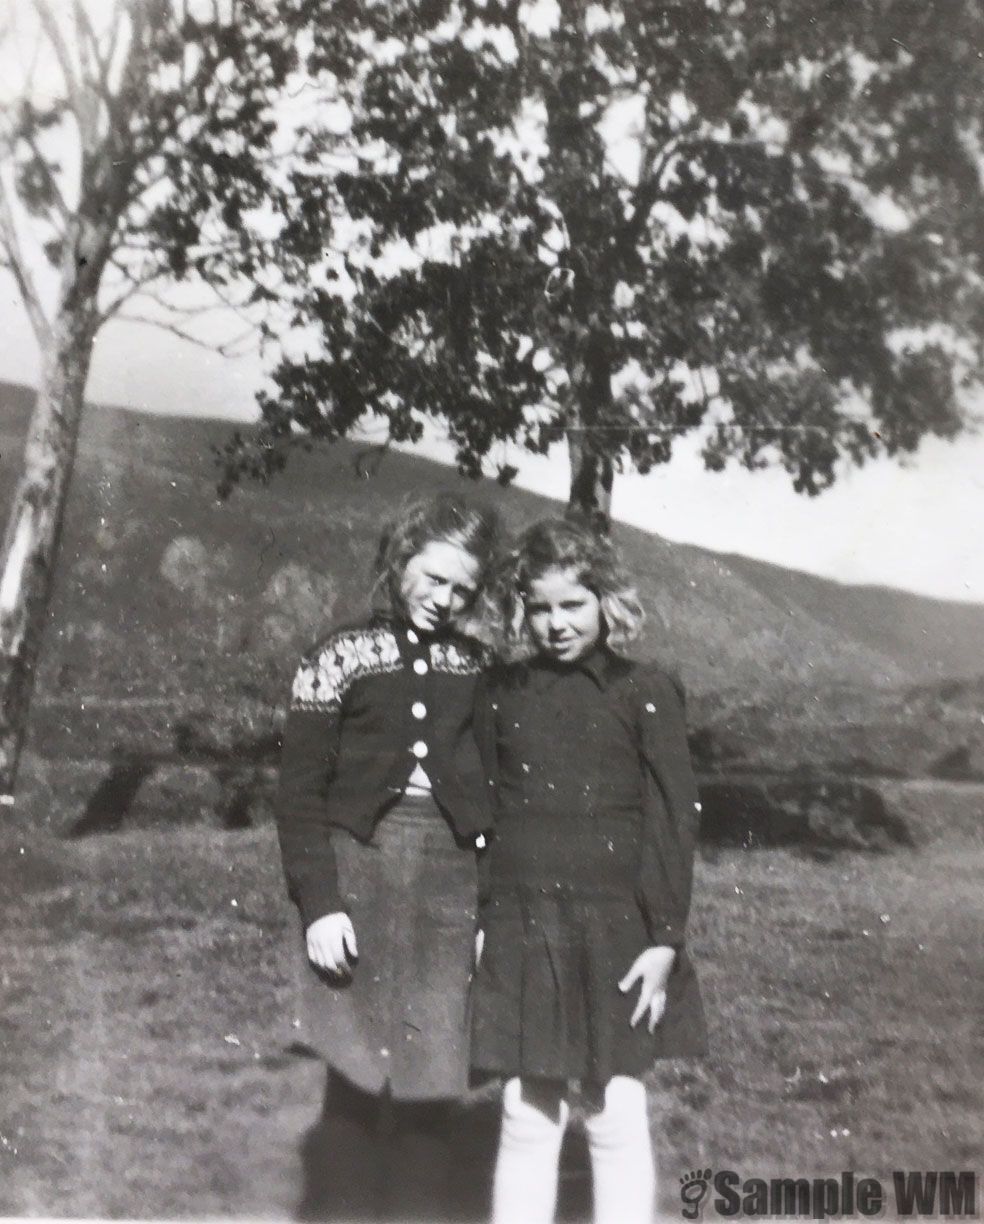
402	1020
561	931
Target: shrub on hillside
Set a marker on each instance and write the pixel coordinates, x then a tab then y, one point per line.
295	609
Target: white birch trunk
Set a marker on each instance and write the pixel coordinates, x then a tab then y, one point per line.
30	546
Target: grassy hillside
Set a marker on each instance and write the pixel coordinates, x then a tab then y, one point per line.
928	637
172	609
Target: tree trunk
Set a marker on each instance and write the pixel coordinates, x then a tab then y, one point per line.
592	475
590	450
30	546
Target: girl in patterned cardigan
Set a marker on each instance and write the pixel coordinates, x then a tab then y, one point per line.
382	806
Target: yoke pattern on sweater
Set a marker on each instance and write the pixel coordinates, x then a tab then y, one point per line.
322	682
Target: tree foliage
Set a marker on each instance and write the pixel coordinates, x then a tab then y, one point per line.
784	252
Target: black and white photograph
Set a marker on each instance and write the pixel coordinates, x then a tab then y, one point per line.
491	610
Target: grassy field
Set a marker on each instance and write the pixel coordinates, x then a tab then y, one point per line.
146	1024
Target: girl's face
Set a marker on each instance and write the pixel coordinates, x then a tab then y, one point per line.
563	615
438	584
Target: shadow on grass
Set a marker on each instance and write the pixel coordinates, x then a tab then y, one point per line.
341	1173
818	815
112	799
235	767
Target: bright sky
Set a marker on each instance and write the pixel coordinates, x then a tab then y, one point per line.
917	527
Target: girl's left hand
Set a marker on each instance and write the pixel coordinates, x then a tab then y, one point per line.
652	969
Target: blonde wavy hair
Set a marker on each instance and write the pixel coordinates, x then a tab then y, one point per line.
441	518
593	560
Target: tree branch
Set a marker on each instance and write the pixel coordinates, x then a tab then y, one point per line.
224	350
59	44
137	285
101	62
238	308
85	41
648	191
29	70
87	32
119	12
188	312
22	275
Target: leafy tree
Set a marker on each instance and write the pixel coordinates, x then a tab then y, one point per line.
785	254
151	159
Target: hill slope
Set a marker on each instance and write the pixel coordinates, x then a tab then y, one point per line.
167	599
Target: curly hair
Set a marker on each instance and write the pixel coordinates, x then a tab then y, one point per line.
440	518
592	558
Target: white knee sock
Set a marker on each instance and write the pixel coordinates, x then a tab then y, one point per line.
622	1166
524	1190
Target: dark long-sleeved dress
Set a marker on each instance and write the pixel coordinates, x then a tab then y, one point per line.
596	821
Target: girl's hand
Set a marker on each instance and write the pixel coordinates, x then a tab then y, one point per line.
331	944
652	969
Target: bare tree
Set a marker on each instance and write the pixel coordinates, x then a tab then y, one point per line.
138	148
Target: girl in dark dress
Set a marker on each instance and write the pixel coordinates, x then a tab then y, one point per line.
382	806
583	975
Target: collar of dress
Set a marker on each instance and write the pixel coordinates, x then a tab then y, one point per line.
601	664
